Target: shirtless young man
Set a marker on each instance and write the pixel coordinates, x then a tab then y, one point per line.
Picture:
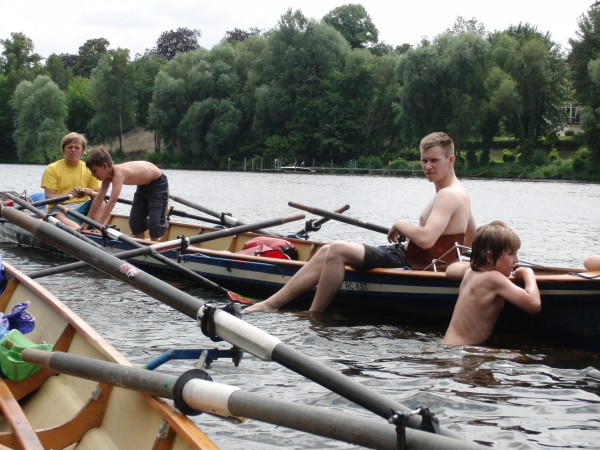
148	211
445	220
486	285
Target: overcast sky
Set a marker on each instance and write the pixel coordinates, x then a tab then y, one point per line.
62	26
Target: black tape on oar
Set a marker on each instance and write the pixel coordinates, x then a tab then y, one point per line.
180	403
207	322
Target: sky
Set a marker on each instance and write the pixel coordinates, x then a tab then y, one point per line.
62	26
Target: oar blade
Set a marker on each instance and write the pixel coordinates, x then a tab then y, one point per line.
242	299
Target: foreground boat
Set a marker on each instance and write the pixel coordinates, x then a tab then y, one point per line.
50	410
570	297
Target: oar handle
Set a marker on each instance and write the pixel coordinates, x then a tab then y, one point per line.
315	226
224	218
57	199
340	217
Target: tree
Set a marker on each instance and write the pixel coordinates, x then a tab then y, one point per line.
18	56
18	62
145	70
172	42
112	93
353	22
585	50
79	106
57	71
89	56
536	65
40	113
238	35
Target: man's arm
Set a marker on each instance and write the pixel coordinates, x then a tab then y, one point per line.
444	205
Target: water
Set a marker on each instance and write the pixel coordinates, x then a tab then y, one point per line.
518	395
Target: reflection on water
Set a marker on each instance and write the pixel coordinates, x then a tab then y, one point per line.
513	393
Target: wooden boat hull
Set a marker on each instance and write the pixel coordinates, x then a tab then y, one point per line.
570	312
66	411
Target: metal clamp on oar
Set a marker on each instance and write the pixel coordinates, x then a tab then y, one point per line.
206	319
429	423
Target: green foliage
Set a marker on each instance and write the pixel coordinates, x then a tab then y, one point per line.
581	161
371	162
79	106
508	156
112	92
354	24
90	54
145	70
40	114
172	42
329	91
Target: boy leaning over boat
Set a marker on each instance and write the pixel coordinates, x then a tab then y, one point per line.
150	201
486	285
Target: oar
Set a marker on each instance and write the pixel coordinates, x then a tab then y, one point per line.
225	219
193	395
117	235
182	242
53	220
340	217
174	212
224	325
312	225
57	199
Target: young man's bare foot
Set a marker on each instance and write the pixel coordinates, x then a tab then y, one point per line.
259	307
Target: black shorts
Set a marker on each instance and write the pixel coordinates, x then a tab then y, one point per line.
385	256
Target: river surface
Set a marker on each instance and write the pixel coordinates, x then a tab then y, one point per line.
518	395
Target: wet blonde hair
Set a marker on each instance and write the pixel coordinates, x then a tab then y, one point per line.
438	138
490	242
72	137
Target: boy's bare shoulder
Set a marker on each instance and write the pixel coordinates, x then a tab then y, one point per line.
137	172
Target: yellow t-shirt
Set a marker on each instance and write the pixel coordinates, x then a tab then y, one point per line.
63	178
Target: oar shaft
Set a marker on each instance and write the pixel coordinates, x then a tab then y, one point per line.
230	401
106	263
57	199
43	215
159	257
227	326
196	206
173	244
340	217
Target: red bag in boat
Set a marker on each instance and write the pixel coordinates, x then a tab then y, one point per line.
270	247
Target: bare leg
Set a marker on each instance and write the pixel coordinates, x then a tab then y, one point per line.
326	269
68	222
332	276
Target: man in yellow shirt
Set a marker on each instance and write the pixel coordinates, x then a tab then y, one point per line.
69	176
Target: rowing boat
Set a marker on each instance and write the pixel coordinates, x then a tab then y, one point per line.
570	296
50	410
